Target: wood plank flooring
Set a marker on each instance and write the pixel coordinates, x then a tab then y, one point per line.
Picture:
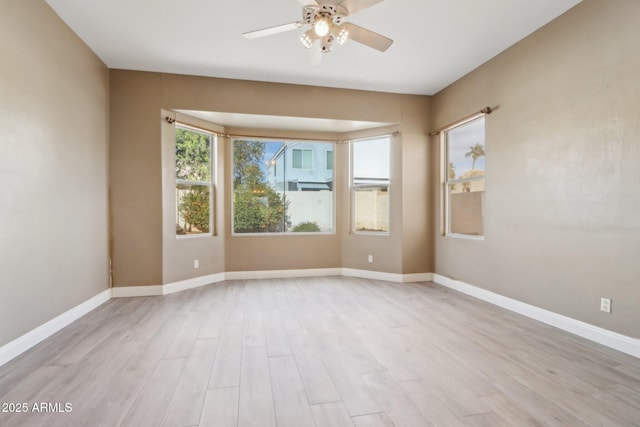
331	351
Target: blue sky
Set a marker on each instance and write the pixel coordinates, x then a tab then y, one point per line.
461	139
271	148
371	158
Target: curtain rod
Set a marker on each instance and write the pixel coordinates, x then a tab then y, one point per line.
485	110
289	138
284	138
198	128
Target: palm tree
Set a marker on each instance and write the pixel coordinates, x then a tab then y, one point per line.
475	153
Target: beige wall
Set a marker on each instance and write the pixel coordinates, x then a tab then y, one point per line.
53	168
417	186
135	178
563	149
136	184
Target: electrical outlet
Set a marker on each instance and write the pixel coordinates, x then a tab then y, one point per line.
370	258
605	305
196	263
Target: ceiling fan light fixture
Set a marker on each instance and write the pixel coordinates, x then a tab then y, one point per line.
308	38
341	34
322	27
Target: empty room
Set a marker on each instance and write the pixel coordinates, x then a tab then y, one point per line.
319	213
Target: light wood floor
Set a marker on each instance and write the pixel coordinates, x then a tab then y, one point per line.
319	352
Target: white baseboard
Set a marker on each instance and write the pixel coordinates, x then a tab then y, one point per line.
323	272
602	336
417	277
136	291
169	288
281	274
166	289
389	277
44	331
196	282
373	275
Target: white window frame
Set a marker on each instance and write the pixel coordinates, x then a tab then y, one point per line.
213	145
446	182
352	187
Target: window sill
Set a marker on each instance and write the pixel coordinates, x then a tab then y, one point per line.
193	236
464	236
371	233
290	233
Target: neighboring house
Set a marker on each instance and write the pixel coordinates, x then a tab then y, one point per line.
301	167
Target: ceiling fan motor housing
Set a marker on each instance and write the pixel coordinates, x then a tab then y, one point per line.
336	14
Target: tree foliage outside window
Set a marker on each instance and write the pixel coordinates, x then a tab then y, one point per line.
194	209
475	152
257	208
194	184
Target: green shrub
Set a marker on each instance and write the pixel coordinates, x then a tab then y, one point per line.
306	227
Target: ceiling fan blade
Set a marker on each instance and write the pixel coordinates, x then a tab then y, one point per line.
308	2
368	37
355	6
272	30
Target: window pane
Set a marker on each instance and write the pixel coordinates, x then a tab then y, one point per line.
194	206
310	210
278	189
297	159
370	183
330	160
371	209
465	165
465	150
193	155
466	208
193	163
307	159
371	159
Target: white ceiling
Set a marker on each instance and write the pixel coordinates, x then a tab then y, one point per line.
435	41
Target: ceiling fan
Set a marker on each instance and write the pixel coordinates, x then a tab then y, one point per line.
327	25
